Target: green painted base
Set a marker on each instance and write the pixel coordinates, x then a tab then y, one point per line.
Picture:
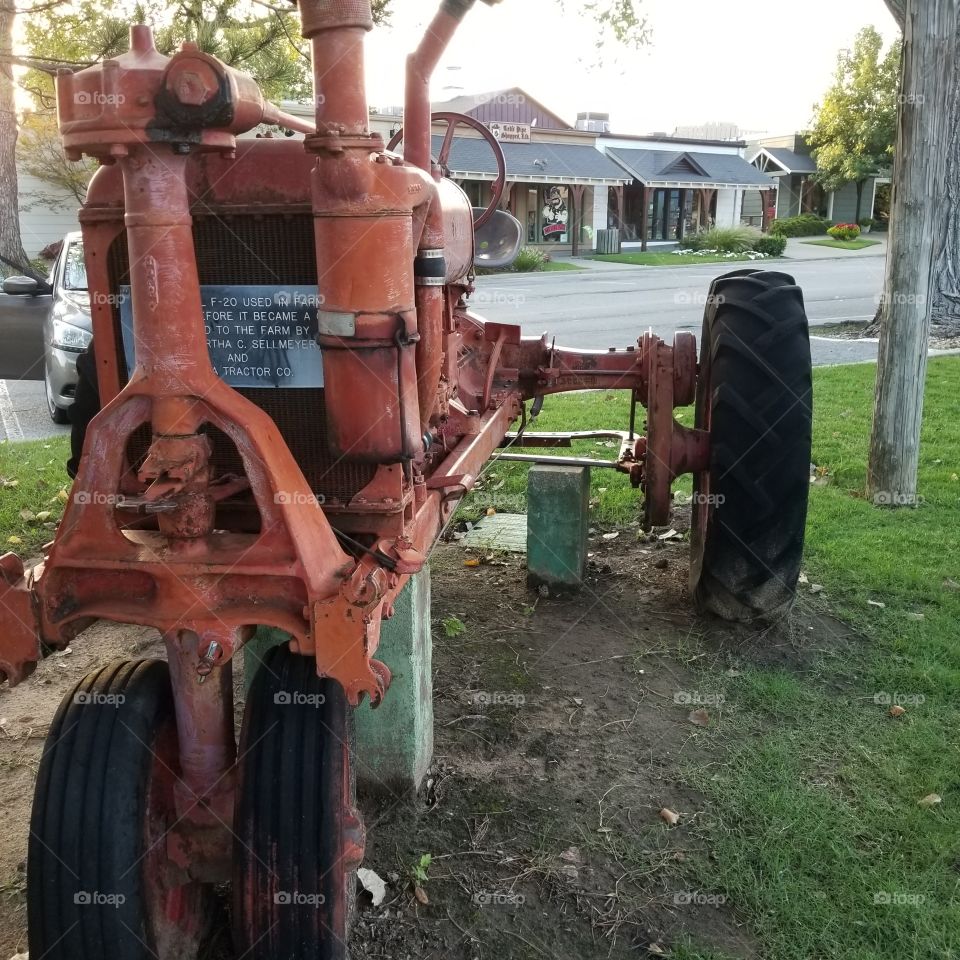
394	743
558	504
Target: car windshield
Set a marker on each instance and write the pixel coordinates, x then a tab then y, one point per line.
74	269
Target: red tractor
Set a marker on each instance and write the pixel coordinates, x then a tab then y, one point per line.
295	397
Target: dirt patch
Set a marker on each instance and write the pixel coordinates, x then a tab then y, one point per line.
562	724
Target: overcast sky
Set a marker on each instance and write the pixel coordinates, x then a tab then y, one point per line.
754	63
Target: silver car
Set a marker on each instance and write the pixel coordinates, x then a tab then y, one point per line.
67	327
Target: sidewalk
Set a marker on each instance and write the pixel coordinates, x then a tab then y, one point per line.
797	249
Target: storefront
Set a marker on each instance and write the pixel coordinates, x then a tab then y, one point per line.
557	190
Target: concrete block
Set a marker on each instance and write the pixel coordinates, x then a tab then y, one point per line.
395	741
558	505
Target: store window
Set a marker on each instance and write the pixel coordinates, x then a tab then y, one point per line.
554	214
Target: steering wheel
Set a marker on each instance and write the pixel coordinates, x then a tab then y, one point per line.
453	120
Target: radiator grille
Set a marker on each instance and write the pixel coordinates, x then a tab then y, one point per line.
261	249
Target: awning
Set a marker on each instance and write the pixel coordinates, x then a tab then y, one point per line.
566	163
779	160
684	169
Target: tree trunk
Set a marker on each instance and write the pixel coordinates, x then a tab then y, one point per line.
917	222
11	245
946	297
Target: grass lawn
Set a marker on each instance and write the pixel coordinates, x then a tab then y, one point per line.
812	817
554	266
653	259
843	244
815	826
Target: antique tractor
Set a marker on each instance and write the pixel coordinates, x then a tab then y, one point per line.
295	397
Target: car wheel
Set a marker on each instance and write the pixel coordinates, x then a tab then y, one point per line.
57	413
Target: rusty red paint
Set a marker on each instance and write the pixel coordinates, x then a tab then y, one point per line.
418	393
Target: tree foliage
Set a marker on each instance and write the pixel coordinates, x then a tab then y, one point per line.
854	127
263	41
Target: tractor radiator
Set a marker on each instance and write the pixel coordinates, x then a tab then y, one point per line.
272	249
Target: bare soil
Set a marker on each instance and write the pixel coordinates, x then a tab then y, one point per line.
562	730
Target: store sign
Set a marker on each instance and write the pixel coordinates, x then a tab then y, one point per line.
258	336
511	132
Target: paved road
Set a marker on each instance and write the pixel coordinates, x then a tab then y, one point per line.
605	305
612	305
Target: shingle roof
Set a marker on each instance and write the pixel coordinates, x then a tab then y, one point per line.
534	162
790	161
663	167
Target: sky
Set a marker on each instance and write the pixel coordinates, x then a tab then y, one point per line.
753	63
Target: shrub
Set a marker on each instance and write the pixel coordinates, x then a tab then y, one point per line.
844	231
529	260
772	245
722	239
866	222
806	225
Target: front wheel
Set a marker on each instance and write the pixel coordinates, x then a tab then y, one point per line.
298	839
754	396
98	880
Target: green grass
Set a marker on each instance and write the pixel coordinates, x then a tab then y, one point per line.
653	259
811	811
33	482
842	244
812	797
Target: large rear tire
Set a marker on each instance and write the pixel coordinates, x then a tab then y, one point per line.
296	836
754	396
98	880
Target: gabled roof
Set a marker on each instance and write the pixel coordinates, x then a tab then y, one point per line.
787	160
533	162
514	97
669	168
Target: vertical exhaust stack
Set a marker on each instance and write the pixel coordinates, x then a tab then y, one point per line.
363	204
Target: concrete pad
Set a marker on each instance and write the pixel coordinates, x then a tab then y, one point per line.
500	531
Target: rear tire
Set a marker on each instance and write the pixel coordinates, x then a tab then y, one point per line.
293	878
98	883
754	396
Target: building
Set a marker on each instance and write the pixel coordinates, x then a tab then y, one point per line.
789	161
679	186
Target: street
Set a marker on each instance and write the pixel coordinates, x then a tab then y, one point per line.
603	306
612	305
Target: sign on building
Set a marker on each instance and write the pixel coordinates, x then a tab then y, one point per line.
511	132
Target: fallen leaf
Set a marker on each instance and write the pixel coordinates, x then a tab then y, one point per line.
802	578
491	512
611	536
816	587
877	603
421	895
62	495
472	562
571	855
896	710
930	800
656	950
27	515
570	871
669	535
699	717
915	616
11	483
14	539
44	515
668	816
373	883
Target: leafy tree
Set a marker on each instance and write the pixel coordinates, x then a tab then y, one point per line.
854	127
